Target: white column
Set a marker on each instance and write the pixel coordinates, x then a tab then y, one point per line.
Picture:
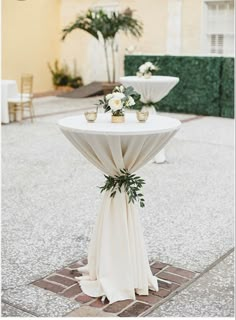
174	27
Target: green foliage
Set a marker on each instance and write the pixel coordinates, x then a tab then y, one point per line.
106	26
206	83
61	76
227	89
131	184
75	82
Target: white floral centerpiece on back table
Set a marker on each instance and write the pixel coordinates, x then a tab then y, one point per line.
118	100
146	69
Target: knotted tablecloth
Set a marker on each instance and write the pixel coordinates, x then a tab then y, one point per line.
117	261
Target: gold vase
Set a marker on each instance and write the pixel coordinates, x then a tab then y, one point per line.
147	75
117	119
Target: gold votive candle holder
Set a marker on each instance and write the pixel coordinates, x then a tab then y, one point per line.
90	116
142	116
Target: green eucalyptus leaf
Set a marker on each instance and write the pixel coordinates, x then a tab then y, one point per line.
130	182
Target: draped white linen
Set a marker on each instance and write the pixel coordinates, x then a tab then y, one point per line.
8	90
118	265
153	89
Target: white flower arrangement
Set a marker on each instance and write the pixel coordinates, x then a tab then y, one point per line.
146	69
119	99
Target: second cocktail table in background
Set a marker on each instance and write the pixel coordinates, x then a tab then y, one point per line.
152	90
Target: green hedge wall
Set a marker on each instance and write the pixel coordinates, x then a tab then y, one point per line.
206	85
227	88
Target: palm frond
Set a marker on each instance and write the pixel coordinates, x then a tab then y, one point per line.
107	25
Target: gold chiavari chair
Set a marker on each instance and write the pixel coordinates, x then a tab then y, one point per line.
23	101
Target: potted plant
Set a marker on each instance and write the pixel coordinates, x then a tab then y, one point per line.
62	78
104	27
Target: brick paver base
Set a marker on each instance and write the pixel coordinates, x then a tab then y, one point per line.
62	282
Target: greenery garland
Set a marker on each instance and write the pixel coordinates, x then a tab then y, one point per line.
132	185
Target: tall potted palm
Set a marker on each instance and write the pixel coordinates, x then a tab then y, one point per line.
104	27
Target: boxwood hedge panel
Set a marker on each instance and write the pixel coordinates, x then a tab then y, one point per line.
205	87
227	89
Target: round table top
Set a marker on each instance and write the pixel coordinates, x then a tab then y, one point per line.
156	79
103	125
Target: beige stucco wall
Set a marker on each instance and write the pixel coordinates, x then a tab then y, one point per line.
192	24
153	15
30	39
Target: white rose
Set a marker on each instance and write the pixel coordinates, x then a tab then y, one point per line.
149	64
117	88
118	95
142	68
115	104
109	96
131	101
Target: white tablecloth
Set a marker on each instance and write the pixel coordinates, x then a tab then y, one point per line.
8	90
117	261
153	89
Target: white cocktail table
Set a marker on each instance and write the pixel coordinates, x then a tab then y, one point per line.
8	90
152	90
118	265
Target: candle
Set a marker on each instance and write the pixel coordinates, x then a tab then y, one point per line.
90	116
142	115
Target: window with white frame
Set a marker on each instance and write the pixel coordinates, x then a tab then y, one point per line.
220	27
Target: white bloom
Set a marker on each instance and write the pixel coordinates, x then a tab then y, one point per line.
122	89
149	64
117	88
118	95
115	104
142	68
109	96
130	102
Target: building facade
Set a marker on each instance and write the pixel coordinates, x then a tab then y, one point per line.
31	34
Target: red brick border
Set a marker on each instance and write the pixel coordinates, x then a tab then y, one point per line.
62	283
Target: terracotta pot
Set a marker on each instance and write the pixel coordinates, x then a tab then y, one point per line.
64	88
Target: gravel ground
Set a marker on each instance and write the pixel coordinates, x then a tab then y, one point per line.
50	197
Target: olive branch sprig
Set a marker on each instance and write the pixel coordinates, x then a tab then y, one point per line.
132	186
